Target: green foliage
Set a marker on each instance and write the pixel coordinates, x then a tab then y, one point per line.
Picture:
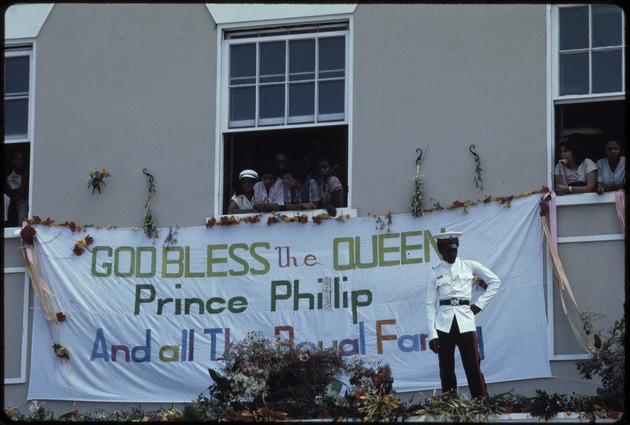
608	361
458	408
547	406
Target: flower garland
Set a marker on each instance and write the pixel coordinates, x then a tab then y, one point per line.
418	183
97	180
487	199
274	218
150	229
82	244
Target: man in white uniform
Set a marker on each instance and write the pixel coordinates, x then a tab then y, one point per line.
451	317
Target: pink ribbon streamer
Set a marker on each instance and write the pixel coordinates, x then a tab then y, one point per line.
620	205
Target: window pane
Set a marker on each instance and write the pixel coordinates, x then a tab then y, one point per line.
17	75
332	56
242	104
606	25
272	101
16	118
272	62
574	73
302	100
573	28
607	71
331	97
302	60
242	64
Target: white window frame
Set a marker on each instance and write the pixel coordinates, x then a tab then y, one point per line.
263	123
21	379
222	105
554	99
555	46
15	48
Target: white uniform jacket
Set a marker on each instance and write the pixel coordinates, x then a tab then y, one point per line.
456	281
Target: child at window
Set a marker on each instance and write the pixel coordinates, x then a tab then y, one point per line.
331	187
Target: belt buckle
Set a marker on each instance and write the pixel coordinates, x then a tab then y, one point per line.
454	301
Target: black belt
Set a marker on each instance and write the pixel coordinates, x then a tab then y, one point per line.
455	301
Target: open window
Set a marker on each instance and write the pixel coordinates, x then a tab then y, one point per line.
284	89
17	133
588	66
247	149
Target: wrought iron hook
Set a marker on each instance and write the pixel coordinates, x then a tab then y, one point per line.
471	151
148	175
419	159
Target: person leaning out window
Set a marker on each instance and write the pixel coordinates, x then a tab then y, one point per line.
611	170
574	173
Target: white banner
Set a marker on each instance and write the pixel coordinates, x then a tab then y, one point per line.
144	322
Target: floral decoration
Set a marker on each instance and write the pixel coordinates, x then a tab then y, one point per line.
82	244
61	351
61	317
503	200
27	234
97	180
171	238
418	190
149	226
381	222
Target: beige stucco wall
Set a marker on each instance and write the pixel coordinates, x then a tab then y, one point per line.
129	87
447	76
125	87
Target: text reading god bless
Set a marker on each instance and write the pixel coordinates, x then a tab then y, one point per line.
390	249
240	259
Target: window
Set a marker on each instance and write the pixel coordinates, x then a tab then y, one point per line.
284	89
588	66
17	94
590	50
17	133
287	76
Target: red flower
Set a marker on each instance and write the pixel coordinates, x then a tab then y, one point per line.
458	204
303	218
78	250
317	220
28	234
71	225
89	240
211	222
61	317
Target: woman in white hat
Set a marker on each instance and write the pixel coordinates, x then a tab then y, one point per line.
241	201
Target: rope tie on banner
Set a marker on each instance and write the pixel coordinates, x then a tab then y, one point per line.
40	287
44	295
620	205
562	280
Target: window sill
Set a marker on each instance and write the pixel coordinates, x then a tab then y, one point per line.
586	199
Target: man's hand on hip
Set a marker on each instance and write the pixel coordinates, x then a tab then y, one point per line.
434	345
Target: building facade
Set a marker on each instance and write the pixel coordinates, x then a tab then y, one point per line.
194	93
